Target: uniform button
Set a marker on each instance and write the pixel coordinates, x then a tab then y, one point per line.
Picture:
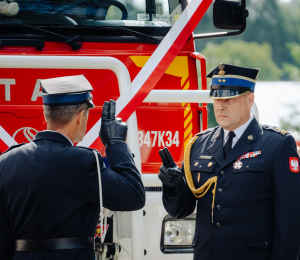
222	173
200	166
218	224
248	167
220	190
266	243
218	207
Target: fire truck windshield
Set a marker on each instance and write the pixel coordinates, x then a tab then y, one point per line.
125	13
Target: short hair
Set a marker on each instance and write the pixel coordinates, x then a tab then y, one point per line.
248	93
63	114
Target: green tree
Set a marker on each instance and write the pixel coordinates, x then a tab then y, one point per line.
240	53
292	70
270	21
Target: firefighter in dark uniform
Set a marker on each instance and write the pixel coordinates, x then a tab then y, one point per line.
49	189
244	178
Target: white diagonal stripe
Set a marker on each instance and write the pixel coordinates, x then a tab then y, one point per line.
157	55
149	67
6	138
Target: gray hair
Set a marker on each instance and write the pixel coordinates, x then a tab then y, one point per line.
63	114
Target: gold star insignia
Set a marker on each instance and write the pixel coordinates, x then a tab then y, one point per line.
220	80
224	80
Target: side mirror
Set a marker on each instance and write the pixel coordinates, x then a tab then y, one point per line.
230	15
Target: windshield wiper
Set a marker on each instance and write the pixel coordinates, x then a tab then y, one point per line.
139	35
143	36
75	45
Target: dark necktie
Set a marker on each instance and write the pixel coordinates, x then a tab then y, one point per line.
227	146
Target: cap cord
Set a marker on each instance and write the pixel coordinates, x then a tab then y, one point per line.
102	209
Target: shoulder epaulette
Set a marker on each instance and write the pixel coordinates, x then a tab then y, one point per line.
87	148
207	131
91	149
275	129
13	147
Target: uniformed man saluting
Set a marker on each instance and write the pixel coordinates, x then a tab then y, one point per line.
244	176
49	190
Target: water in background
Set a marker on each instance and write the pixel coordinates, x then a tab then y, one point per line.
274	101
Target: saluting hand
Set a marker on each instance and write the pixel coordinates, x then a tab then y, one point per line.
112	129
170	174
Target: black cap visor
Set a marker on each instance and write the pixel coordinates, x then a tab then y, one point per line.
225	92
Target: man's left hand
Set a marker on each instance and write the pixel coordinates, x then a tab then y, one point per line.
169	173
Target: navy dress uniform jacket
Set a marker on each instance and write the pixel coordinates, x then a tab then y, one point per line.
49	189
257	207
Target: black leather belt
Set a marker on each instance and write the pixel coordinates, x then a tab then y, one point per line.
23	245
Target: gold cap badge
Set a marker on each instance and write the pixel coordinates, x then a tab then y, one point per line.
221	68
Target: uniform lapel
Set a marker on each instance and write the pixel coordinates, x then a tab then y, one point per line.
216	147
243	144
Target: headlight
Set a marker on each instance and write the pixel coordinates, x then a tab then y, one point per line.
177	235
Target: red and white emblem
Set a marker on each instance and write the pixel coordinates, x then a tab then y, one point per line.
237	165
294	164
98	231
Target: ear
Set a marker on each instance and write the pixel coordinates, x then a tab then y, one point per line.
80	116
251	99
45	116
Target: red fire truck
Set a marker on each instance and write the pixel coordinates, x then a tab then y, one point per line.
109	42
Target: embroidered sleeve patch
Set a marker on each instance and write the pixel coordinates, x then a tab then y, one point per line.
294	164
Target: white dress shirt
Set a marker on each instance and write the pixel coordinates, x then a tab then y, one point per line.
238	132
61	134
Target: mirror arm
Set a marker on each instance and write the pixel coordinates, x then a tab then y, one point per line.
244	13
219	34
